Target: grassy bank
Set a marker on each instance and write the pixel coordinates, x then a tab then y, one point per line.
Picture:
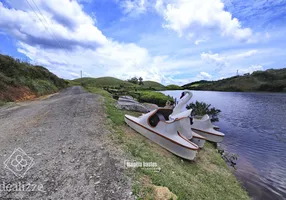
21	80
206	178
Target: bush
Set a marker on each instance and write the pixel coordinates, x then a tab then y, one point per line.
15	73
154	97
173	87
201	108
42	87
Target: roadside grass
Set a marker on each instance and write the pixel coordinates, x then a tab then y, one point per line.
208	177
2	103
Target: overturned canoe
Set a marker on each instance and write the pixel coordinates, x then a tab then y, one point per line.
157	127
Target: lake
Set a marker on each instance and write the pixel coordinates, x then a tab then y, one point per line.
255	129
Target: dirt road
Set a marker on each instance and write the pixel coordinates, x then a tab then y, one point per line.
65	137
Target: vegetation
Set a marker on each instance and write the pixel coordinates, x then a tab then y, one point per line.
21	80
117	87
152	85
206	178
201	108
131	84
174	87
154	97
271	80
136	80
105	82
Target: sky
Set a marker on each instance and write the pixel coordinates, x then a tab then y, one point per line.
168	41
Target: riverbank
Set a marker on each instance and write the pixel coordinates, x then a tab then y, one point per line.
207	178
258	142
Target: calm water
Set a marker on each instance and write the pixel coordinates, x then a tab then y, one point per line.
255	128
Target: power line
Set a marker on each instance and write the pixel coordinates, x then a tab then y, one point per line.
47	28
47	25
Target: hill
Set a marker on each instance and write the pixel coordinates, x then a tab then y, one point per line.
153	85
271	80
104	82
173	87
117	83
20	80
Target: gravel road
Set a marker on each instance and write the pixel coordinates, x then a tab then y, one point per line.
66	138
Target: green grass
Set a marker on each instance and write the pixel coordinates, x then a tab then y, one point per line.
18	78
2	103
73	83
42	87
153	85
174	87
154	97
105	82
111	82
206	178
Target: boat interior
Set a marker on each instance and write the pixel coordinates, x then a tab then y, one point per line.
159	115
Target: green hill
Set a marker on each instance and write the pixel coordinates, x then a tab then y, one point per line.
153	85
104	82
173	87
271	80
20	80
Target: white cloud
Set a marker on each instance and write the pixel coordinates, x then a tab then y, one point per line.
185	17
134	7
243	54
222	61
88	49
63	20
198	41
206	75
250	69
218	60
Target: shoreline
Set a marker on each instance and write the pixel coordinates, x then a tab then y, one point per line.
177	174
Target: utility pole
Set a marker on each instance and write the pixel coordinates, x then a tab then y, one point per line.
81	77
237	73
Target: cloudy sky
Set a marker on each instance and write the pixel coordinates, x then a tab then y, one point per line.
169	41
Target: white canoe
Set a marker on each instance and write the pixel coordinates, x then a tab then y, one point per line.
156	127
205	128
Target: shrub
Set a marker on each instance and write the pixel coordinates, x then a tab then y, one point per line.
173	87
201	108
15	73
154	97
42	87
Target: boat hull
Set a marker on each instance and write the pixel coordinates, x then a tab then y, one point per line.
198	140
161	140
209	135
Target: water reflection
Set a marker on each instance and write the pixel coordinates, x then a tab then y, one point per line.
255	128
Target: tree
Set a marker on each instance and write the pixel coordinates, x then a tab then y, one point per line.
141	81
133	80
201	108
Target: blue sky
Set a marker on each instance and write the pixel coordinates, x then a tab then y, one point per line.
169	41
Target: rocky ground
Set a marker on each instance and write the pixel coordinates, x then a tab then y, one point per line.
66	139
